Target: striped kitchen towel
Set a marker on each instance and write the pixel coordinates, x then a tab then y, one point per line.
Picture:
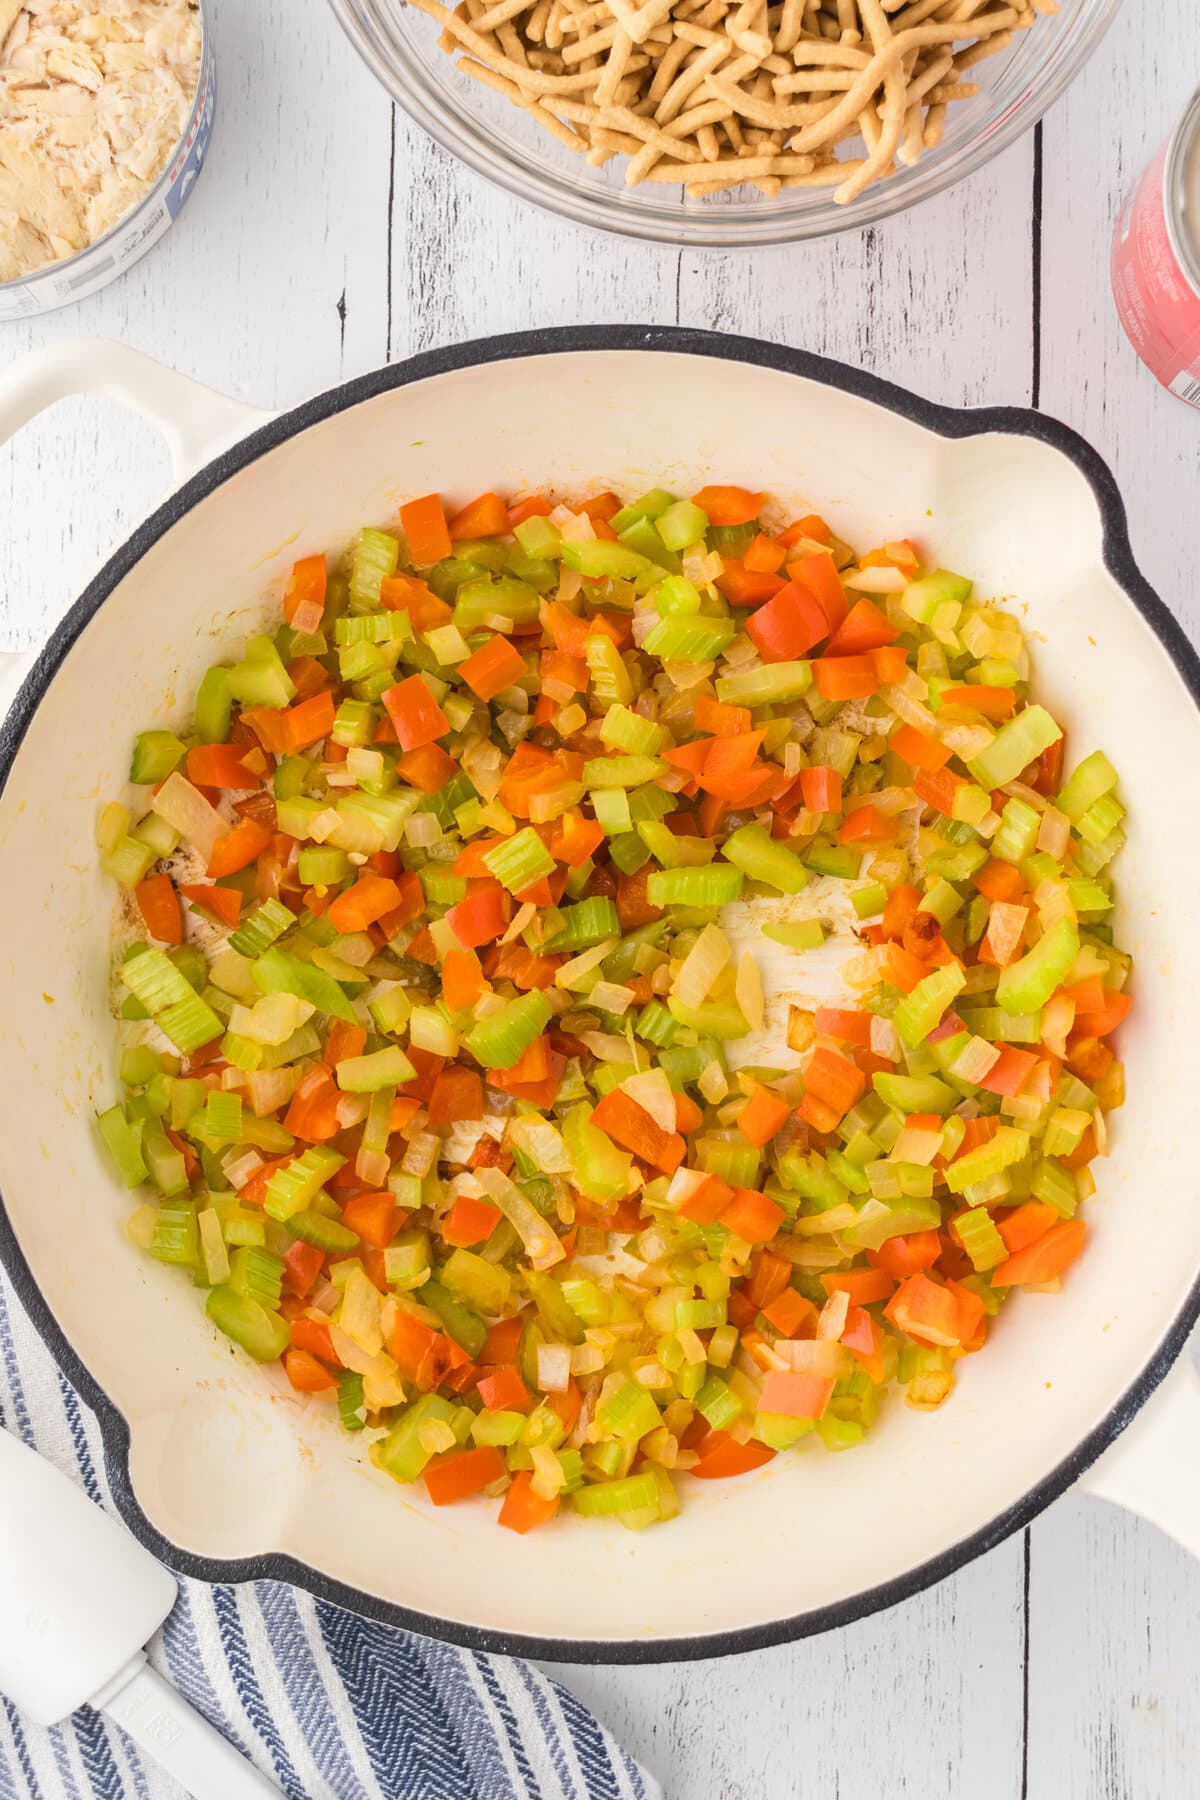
327	1705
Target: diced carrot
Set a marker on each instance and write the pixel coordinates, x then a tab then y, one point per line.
993	702
818	575
470	1222
765	555
423	522
304	596
834	1079
848	1026
908	1255
706	1204
312	1114
1023	1224
158	904
1000	881
482	916
752	1216
313	1336
811	526
743	587
503	1390
460	1473
429	768
769	1276
523	1509
864	1286
220	766
790	1313
371	897
493	667
631	1126
600	508
503	1341
925	1310
938	788
1045	1258
864	1340
415	714
238	848
530	506
728	505
484	517
867	825
221	903
302	1263
845	677
457	1094
864	628
795	1394
306	1374
722	1456
762	1116
821	789
920	749
715	717
373	1217
1009	1073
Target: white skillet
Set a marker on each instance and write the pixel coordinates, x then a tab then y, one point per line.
216	1468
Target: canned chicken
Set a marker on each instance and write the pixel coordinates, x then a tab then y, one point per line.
1156	262
72	278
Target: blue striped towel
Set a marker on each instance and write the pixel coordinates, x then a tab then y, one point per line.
325	1704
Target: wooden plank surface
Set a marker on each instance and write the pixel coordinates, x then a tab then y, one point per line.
328	234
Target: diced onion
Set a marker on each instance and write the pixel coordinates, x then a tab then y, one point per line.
553	1368
651	1090
193	817
702	967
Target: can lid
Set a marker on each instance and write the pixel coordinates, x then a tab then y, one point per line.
1181	193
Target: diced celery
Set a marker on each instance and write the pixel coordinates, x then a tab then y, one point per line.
293	1188
502	1038
278	972
753	850
155	754
517	862
1026	985
685	639
921	1010
834	859
1018	742
922	598
124	1142
176	1238
802	934
1094	777
587	924
367	1074
713	886
461	1323
772	684
375	557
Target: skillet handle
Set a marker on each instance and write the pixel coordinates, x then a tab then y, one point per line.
196	421
1152	1468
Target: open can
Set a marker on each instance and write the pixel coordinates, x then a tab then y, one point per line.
89	270
1156	262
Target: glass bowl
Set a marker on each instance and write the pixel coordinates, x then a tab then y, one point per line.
498	140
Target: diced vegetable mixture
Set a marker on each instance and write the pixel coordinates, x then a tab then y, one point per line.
432	1077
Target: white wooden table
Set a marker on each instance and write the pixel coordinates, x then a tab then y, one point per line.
327	236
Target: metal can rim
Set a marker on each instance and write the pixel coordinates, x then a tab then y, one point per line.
77	260
1184	244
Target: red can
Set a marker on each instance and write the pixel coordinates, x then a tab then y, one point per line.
1156	262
